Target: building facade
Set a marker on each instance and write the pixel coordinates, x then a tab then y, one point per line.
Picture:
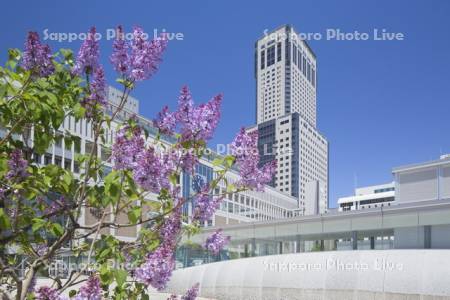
423	181
286	115
369	197
286	76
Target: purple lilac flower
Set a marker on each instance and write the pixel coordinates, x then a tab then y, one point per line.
205	206
185	158
128	145
142	61
172	297
245	149
166	121
90	290
56	205
17	165
216	241
148	170
88	55
197	123
37	57
170	229
119	57
47	293
157	268
98	93
145	56
192	293
41	249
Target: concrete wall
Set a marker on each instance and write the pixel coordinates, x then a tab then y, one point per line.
384	274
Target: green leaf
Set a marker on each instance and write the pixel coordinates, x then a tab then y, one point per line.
57	229
105	274
121	276
37	224
134	214
231	188
4	220
217	162
173	178
229	161
113	186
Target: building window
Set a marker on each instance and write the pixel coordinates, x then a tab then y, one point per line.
304	66
270	56
313	75
299	61
263	59
294	54
279	51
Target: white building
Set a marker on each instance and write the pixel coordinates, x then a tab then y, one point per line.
369	197
285	70
423	181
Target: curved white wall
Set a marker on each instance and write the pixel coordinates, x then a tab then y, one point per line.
372	274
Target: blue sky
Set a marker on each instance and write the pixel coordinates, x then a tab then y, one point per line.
380	103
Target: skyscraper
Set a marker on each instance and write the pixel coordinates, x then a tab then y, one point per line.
286	116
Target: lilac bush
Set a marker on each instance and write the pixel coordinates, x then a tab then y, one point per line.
45	205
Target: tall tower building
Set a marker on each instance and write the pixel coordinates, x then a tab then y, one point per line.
286	115
285	70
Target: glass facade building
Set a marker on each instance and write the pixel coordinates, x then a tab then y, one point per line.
423	225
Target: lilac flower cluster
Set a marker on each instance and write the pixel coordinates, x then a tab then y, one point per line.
37	57
197	123
90	290
166	121
88	55
41	249
192	293
152	170
126	148
170	229
48	293
205	206
57	205
245	149
216	241
17	166
98	93
157	268
138	60
53	206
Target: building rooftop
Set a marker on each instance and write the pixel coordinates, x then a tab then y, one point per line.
444	159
